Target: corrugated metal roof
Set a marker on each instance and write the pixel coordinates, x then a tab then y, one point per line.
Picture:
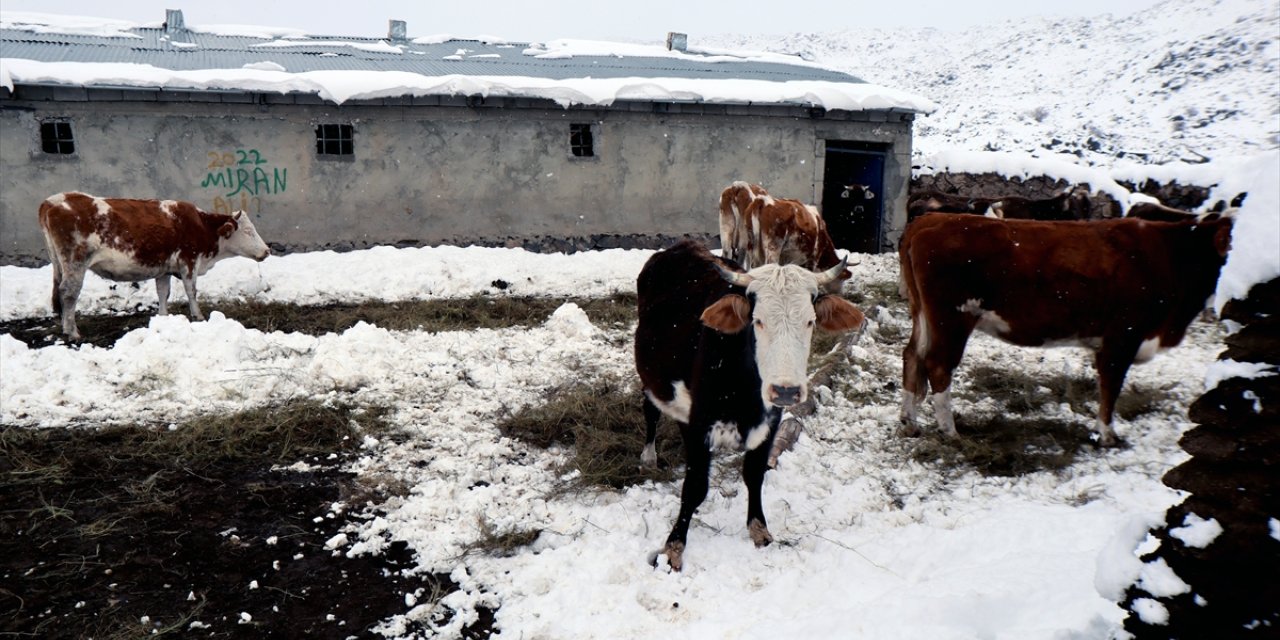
186	50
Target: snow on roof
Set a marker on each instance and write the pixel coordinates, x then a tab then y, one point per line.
101	52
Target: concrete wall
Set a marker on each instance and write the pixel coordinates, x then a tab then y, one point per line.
426	174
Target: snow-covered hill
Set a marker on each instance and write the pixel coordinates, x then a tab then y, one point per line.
1184	80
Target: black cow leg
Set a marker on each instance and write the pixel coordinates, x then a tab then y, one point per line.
754	466
694	491
651	415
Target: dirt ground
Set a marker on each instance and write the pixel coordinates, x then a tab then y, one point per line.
210	530
125	532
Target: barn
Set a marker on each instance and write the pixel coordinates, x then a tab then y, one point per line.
337	142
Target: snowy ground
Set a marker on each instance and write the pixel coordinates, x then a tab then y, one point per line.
871	543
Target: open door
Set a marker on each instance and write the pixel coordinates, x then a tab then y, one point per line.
853	194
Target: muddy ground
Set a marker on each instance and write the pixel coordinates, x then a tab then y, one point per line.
213	529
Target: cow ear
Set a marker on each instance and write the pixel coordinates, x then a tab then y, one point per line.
836	314
729	314
869	195
227	229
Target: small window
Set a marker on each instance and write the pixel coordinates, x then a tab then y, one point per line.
335	140
55	137
581	142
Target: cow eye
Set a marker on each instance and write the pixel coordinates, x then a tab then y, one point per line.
810	324
759	323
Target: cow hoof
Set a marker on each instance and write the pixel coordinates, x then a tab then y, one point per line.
759	533
675	555
909	430
1108	441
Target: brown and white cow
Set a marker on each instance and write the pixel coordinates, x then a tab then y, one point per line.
723	352
734	233
1125	288
757	228
131	240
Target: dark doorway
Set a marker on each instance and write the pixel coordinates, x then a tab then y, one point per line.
853	194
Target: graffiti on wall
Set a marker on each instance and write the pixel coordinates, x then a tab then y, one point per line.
242	177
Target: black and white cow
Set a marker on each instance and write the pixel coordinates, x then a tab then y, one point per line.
723	351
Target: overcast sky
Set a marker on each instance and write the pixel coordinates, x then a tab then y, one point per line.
540	20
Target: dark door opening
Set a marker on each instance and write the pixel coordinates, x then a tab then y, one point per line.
853	194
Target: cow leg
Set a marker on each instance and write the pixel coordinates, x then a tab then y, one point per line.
162	292
189	283
651	415
754	466
696	479
915	384
1112	362
68	293
57	283
940	362
729	235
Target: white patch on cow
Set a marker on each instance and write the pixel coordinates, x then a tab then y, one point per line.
992	213
101	205
167	206
783	320
724	436
922	334
115	264
681	401
909	405
1088	343
758	435
942	409
650	454
58	200
989	322
1148	350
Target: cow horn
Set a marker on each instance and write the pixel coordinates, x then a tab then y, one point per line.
830	275
733	277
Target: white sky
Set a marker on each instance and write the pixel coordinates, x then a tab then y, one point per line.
645	20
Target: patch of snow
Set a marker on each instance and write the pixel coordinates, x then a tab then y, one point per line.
1159	580
265	65
1197	532
1151	611
1228	368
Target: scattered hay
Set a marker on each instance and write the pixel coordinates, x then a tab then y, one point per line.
1006	446
1021	393
505	544
604	422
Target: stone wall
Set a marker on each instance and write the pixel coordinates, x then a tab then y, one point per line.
1173	194
994	185
1231	586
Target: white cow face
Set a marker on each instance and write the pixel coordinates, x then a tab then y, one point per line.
242	238
788	306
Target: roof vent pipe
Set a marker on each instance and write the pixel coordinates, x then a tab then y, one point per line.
173	21
677	41
397	31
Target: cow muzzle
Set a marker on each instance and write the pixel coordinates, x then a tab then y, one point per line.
785	395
